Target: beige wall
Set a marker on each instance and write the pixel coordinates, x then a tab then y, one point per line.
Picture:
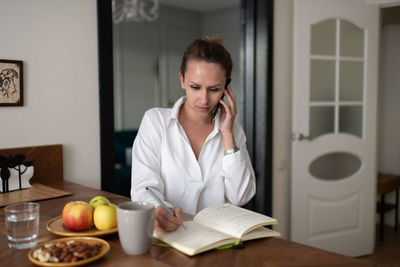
57	41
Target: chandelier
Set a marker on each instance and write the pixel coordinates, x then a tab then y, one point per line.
135	10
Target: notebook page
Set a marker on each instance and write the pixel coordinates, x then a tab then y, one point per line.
194	238
232	220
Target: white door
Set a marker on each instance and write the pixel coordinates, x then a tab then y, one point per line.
334	125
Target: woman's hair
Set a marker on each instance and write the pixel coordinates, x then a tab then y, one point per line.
210	50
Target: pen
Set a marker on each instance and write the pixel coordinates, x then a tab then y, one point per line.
162	203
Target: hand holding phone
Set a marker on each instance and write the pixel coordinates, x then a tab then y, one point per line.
228	81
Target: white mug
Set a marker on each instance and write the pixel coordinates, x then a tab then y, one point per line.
135	226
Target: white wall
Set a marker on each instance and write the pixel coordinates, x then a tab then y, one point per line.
389	99
57	41
389	108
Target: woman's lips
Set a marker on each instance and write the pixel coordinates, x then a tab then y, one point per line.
203	109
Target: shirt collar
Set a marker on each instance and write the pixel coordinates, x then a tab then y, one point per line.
175	113
175	110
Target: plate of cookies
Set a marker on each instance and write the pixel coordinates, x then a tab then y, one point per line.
71	251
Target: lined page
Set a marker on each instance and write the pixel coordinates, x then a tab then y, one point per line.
232	220
194	239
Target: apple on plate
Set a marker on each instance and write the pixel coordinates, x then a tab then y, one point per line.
98	201
77	215
105	217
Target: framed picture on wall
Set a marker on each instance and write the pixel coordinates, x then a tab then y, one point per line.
11	83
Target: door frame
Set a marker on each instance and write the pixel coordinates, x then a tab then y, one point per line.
106	95
257	75
256	70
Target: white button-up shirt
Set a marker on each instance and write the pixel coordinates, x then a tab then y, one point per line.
163	159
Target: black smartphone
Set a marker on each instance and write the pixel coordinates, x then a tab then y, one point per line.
228	81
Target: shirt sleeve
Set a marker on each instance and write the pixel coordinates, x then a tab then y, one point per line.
240	183
146	160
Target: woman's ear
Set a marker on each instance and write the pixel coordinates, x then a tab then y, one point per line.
182	79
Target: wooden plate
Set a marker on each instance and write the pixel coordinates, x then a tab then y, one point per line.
89	240
56	226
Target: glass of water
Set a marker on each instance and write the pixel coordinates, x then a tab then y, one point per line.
22	224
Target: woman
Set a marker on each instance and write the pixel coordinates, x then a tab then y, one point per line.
192	155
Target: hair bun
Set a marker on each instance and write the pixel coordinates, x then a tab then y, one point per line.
210	50
215	39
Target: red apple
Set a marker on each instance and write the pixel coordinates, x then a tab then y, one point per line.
77	215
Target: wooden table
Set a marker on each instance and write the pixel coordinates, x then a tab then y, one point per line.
264	252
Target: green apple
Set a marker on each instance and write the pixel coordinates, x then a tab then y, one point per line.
105	217
98	201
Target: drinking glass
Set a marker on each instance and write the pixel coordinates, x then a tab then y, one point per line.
22	224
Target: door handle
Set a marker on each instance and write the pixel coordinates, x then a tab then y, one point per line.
304	137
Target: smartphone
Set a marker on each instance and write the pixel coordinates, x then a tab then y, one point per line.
228	81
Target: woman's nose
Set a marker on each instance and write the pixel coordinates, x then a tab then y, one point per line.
204	97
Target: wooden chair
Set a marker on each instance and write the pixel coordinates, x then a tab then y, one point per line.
48	169
388	183
47	160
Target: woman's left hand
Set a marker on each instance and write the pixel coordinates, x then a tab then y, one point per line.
228	112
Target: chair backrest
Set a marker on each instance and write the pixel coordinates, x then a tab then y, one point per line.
47	161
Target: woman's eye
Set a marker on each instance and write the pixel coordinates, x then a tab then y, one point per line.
214	89
194	87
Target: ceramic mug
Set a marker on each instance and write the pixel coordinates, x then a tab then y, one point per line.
135	226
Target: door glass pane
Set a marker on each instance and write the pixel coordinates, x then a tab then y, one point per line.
350	120
335	166
351	40
322	80
351	81
321	120
323	38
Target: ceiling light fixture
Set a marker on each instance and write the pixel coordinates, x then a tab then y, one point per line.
135	10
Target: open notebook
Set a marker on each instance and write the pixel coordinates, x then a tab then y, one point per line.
217	226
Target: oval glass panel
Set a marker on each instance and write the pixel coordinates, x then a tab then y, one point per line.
335	166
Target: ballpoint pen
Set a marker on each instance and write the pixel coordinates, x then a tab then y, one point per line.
163	204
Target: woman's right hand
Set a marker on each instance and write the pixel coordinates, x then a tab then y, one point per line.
164	222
